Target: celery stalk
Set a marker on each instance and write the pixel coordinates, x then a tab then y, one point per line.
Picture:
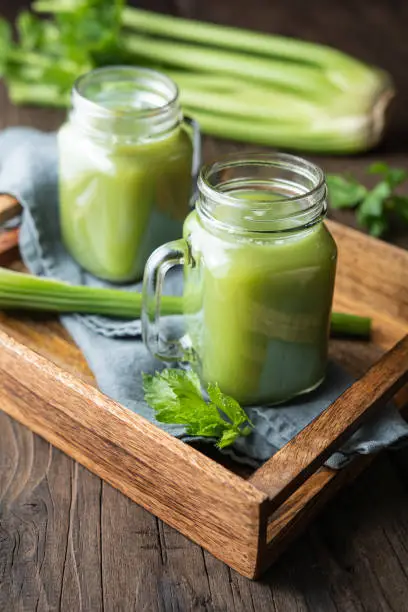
330	135
340	68
230	37
38	94
296	77
23	291
31	58
350	325
220	94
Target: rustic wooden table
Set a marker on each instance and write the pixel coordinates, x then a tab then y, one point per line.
68	541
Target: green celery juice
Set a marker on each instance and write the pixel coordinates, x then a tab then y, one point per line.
125	162
258	305
116	207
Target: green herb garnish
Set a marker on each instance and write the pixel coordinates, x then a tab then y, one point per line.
374	207
176	397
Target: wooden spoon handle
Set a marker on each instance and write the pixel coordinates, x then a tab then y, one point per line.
9	208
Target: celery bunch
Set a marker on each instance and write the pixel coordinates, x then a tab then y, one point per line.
243	85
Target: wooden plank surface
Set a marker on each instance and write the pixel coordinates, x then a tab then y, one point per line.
70	542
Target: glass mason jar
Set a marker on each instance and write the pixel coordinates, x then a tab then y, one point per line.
125	169
259	270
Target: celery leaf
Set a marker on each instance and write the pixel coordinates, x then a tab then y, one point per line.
344	192
176	398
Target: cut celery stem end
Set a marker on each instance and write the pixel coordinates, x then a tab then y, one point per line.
350	325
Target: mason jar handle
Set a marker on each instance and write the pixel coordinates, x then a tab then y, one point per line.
159	263
197	155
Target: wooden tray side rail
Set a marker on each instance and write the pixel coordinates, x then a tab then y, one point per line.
293	468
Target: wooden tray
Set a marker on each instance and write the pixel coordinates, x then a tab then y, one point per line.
245	521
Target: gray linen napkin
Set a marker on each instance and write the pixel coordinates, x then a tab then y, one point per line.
114	349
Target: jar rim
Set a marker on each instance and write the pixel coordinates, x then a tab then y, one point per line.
259	158
125	104
280	213
132	71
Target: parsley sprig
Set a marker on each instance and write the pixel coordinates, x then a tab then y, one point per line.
374	207
176	397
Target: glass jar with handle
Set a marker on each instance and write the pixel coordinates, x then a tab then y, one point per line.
259	269
127	160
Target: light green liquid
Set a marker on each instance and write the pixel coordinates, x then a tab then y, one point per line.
258	311
118	203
